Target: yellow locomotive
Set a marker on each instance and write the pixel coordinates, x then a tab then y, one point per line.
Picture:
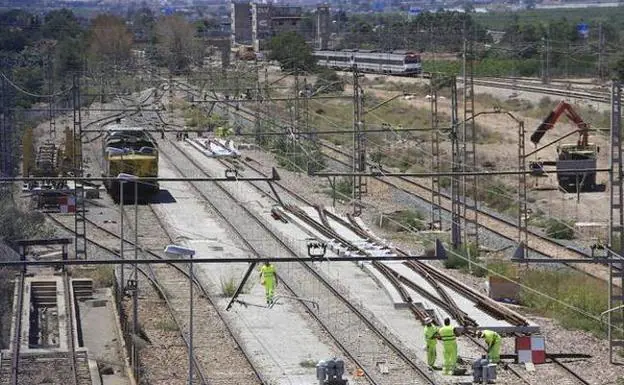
130	150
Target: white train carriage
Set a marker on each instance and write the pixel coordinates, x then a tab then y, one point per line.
396	62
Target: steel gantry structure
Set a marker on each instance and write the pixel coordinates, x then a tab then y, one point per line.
359	145
436	201
469	185
80	246
456	199
615	318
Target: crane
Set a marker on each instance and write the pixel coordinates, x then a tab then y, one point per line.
553	117
581	155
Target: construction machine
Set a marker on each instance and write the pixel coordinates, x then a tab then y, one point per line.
245	52
581	155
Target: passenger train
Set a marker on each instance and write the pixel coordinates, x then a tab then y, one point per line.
395	62
130	150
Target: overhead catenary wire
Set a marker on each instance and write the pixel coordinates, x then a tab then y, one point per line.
18	88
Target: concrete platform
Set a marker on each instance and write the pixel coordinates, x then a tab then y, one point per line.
101	336
483	319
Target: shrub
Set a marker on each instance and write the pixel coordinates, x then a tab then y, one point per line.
343	187
559	229
403	220
328	81
228	287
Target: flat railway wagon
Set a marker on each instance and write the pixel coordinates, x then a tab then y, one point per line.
396	62
130	150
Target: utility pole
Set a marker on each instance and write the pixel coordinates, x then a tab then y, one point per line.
456	167
359	146
469	187
548	56
258	97
601	61
6	136
436	204
79	216
52	121
616	219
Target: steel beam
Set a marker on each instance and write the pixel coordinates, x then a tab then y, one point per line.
451	173
357	258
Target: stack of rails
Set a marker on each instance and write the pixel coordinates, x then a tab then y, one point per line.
130	150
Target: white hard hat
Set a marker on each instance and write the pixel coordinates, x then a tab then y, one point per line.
428	320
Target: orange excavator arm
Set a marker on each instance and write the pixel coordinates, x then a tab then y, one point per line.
555	114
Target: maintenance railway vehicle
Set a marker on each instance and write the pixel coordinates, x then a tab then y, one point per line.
130	150
395	62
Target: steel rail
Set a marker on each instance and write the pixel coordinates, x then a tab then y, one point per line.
568	370
401	280
247	244
445	301
162	293
434	276
498	221
368	322
415	265
151	276
488	216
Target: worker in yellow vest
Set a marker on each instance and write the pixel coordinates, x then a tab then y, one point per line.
448	336
431	341
268	278
493	341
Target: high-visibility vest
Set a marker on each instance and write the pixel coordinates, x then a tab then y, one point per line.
447	333
268	271
430	331
490	336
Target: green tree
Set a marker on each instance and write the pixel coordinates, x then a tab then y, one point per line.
143	21
61	24
618	69
110	41
328	81
292	52
177	46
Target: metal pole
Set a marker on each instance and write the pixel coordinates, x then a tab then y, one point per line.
121	232
191	280
135	296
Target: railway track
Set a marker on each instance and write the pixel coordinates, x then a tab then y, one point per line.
434	278
560	251
26	368
399	282
422	269
172	284
502	227
256	235
495	224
